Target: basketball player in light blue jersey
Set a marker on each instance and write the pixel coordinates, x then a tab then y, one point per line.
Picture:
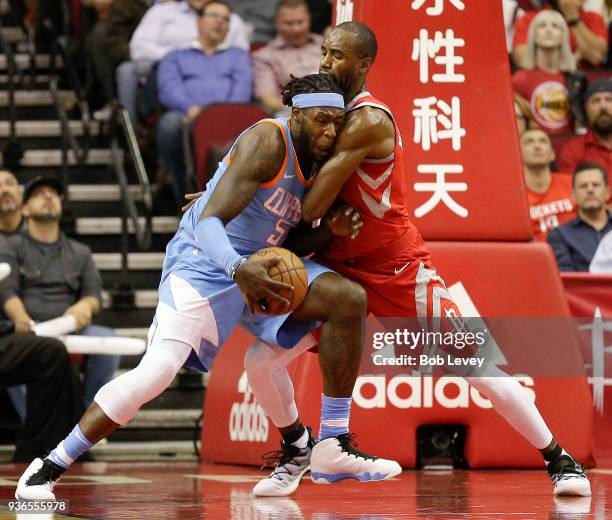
209	285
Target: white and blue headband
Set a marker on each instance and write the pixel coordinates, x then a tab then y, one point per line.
318	99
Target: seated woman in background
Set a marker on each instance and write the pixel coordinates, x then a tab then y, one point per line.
548	82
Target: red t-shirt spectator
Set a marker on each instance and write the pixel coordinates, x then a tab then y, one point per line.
585	148
548	98
552	208
594	22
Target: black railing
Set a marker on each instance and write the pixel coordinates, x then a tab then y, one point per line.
19	19
12	152
80	150
121	129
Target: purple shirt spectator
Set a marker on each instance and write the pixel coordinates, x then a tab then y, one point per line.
190	77
173	25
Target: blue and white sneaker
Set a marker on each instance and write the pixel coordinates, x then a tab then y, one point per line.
290	464
337	458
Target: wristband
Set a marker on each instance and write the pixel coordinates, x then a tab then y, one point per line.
236	266
574	22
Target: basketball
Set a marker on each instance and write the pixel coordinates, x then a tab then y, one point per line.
289	270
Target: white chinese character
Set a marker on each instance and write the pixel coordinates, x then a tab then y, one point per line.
438	7
425	48
440	189
427	119
599	348
344	11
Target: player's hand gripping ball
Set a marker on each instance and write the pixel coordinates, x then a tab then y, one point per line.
291	270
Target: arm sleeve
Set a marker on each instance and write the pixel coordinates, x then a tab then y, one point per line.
212	231
170	84
562	253
242	79
91	280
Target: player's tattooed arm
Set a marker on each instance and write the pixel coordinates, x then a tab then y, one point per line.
257	158
365	132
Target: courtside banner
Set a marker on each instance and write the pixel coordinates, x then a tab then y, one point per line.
442	67
485	279
235	428
590	297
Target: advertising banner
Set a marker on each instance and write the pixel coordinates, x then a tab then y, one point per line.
453	103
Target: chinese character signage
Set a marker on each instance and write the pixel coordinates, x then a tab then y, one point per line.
442	67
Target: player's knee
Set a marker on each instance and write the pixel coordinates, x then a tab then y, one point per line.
352	300
253	361
262	361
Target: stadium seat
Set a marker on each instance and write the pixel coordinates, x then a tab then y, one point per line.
215	126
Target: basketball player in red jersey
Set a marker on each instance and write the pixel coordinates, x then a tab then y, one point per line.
389	259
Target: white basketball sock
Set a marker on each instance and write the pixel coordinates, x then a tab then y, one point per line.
510	400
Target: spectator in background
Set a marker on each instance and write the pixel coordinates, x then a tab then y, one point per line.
165	27
39	363
575	242
320	15
109	46
588	32
295	51
602	260
259	17
54	401
11	219
549	195
596	145
190	79
524	117
543	82
53	276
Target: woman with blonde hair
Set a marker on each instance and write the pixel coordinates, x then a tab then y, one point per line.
549	83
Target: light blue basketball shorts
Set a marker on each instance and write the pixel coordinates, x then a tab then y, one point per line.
202	309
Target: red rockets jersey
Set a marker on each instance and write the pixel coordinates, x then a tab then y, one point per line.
379	190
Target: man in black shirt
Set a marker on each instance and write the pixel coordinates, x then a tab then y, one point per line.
42	364
52	276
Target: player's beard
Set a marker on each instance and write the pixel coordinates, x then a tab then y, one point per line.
306	157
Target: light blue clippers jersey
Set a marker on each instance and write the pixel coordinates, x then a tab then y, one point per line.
199	304
265	222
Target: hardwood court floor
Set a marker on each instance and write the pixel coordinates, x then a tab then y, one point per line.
188	490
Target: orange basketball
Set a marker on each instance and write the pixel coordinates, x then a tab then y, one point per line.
289	270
